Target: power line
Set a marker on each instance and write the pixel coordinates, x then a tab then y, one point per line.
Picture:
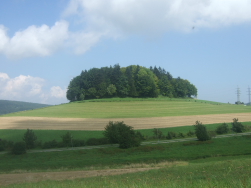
249	95
238	95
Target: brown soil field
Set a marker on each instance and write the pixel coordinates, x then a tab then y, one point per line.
36	123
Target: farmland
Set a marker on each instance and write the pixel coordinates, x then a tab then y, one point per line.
179	163
188	164
134	108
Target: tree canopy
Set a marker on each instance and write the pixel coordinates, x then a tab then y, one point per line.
131	81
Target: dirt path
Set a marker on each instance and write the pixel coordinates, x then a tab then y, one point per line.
6	179
99	124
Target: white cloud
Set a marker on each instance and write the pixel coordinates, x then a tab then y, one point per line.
30	89
33	41
58	92
4	76
83	41
21	86
151	17
92	20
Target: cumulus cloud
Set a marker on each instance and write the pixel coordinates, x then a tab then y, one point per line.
33	41
83	41
92	20
151	17
58	92
4	76
31	89
21	86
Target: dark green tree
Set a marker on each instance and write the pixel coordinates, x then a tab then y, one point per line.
122	87
237	126
111	131
29	139
124	135
222	129
67	139
201	131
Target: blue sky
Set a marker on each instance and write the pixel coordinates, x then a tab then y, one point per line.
44	44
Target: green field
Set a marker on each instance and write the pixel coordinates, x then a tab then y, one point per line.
16	135
234	173
134	108
115	157
221	162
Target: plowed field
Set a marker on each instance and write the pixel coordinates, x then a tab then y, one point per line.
99	124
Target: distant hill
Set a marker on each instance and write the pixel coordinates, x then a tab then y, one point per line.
16	106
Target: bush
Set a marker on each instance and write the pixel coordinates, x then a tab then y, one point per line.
111	132
50	144
181	135
222	129
171	135
157	133
67	139
29	139
237	126
19	148
201	131
124	135
1	145
191	133
97	141
6	145
78	143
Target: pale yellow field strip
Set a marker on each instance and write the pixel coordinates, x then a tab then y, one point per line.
99	124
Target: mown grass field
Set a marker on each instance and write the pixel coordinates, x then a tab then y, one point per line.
134	108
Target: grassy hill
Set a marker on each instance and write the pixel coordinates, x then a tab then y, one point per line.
134	108
7	106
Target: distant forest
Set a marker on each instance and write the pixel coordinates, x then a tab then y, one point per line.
7	106
131	81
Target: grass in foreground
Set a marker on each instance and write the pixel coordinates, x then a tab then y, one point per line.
115	157
227	173
125	108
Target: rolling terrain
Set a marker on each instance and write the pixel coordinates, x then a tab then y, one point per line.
7	106
192	163
139	113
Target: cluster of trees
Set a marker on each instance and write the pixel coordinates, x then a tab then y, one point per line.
201	132
115	133
118	133
131	81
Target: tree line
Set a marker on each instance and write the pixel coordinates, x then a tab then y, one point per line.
131	81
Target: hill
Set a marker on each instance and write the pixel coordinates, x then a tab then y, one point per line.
7	106
134	108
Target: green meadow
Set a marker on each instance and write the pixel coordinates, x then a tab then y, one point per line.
134	108
115	157
16	135
221	162
234	173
